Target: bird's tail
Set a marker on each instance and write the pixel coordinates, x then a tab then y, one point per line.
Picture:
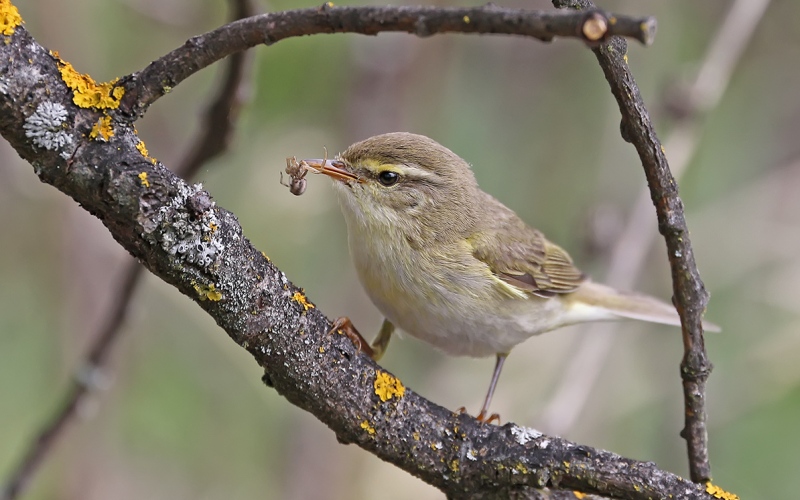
613	304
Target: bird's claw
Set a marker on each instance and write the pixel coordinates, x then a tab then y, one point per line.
344	326
494	417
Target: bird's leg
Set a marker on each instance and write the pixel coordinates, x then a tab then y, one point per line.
498	367
378	347
381	342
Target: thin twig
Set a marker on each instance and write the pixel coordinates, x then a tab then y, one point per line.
690	296
211	140
145	87
629	253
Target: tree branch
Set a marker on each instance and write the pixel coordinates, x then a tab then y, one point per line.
688	104
593	26
179	233
212	140
690	296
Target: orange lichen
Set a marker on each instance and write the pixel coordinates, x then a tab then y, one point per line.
718	492
9	17
102	128
209	292
578	494
388	386
365	425
143	150
143	178
86	93
301	299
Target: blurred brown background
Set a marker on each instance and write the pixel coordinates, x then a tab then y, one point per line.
187	416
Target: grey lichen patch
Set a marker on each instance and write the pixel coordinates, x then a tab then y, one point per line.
524	434
46	126
188	229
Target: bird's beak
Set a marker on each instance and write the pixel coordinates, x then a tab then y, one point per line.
334	169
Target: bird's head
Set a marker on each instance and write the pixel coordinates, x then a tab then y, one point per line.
404	181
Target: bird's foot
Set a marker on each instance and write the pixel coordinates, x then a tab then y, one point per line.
345	327
494	417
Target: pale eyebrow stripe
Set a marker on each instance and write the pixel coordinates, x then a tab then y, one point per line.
410	171
417	173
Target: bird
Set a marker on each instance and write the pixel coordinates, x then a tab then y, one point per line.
451	265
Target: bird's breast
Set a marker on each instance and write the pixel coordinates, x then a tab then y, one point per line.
443	295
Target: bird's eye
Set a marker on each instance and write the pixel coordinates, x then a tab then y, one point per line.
388	178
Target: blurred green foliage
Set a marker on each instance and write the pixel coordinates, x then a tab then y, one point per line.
187	416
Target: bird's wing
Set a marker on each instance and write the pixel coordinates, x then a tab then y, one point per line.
522	257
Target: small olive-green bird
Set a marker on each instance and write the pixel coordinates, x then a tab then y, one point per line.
449	264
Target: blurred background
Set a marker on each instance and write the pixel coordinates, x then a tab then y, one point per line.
185	414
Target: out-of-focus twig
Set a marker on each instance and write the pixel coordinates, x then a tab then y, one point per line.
690	296
86	381
223	113
711	82
212	140
629	254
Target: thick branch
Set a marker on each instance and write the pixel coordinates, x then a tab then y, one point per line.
179	234
594	26
211	140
